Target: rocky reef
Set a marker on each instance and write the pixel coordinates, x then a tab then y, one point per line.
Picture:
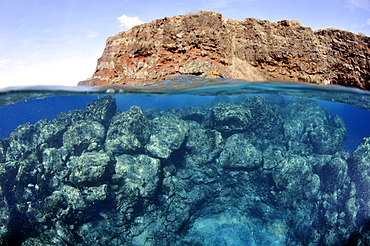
260	170
209	45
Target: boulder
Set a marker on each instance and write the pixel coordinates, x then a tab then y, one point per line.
4	144
101	110
265	120
230	118
168	134
84	136
90	168
240	154
128	132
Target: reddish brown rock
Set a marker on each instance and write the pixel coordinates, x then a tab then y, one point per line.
86	82
206	44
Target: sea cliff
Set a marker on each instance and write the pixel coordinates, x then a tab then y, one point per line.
209	45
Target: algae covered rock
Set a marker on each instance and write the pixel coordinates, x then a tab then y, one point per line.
135	184
194	114
54	166
94	194
84	135
128	132
239	153
21	142
230	118
334	173
312	125
101	110
361	165
90	168
202	146
255	171
91	233
327	139
273	156
4	143
293	129
295	175
307	109
70	117
265	120
168	134
4	216
137	176
50	133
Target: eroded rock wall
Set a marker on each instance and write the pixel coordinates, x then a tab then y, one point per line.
206	44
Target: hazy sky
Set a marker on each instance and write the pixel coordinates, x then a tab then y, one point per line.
58	42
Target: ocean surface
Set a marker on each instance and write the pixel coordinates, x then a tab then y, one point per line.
187	161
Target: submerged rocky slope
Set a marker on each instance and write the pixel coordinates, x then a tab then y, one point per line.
206	44
257	170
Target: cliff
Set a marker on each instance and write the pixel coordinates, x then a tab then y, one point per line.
206	44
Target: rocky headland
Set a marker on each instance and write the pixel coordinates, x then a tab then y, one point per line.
209	45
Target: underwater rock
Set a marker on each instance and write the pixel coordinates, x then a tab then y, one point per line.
210	142
101	110
4	144
50	133
307	109
128	132
84	136
54	166
64	233
293	129
234	228
255	171
294	175
334	174
173	112
168	134
137	176
230	118
90	168
361	165
21	142
153	112
4	216
240	154
327	140
194	114
273	156
72	196
313	126
135	184
68	118
99	233
265	121
29	138
94	194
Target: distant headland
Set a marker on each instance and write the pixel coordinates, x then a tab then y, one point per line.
209	45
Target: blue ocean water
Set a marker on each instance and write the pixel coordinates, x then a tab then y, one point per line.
32	110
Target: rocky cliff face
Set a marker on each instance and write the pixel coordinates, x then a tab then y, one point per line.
206	44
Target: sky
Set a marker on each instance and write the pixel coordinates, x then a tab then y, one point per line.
58	42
